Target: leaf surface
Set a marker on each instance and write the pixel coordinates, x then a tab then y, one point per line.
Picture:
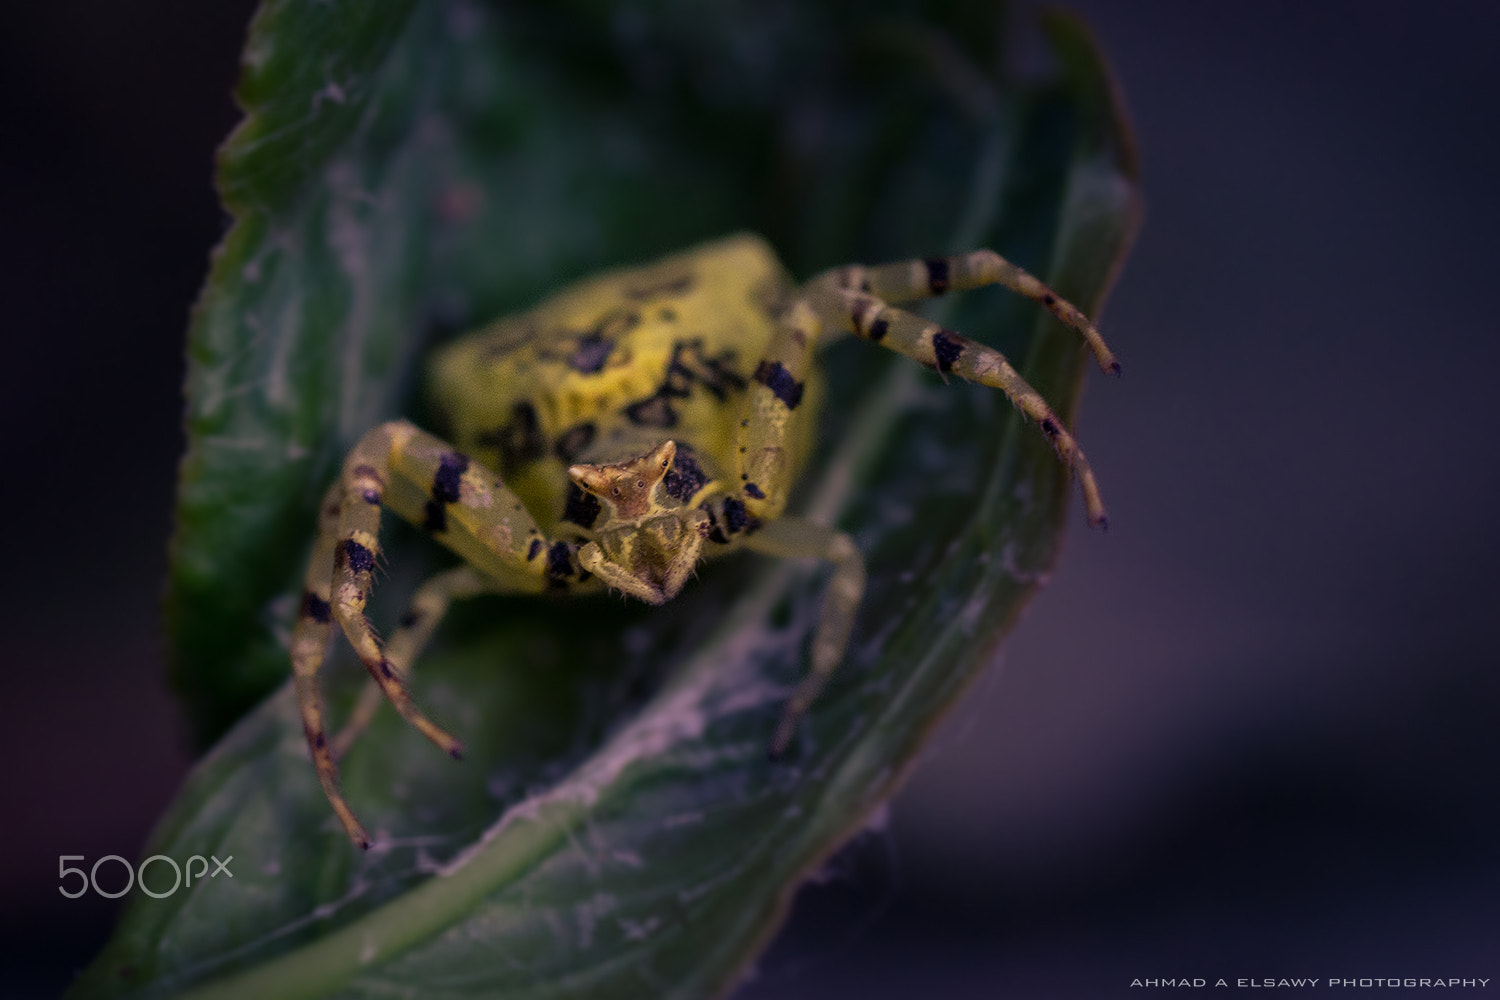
406	171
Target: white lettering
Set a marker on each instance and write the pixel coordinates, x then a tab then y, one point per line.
176	876
1391	982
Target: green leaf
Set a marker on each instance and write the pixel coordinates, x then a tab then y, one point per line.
616	830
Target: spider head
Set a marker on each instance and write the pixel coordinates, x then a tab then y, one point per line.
647	539
631	492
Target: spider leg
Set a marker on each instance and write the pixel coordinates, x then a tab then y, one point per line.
909	281
464	506
771	431
592	558
792	537
366	473
309	644
866	315
683	539
428	606
773	428
686	539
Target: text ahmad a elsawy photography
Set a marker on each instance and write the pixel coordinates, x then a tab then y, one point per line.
1336	982
137	876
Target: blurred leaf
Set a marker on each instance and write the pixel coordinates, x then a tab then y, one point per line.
616	829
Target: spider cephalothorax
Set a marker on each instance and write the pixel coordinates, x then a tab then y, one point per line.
622	431
646	539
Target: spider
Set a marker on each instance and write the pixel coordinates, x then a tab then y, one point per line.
618	433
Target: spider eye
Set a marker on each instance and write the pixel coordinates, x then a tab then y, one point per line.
617	491
640	484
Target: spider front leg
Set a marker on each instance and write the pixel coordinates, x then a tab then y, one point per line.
309	644
367	470
775	427
867	315
464	506
679	539
428	606
773	430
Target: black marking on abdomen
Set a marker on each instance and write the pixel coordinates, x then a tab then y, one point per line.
680	285
691	365
590	354
574	440
754	491
783	386
536	546
946	347
581	509
688	366
937	274
591	350
316	608
686	477
519	441
877	330
654	411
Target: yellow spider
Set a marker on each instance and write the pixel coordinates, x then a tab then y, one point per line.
622	431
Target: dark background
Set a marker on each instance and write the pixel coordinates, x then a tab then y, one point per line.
1250	732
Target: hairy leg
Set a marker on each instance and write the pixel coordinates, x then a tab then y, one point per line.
464	506
947	352
428	606
909	281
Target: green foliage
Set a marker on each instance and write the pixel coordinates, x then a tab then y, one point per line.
405	171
